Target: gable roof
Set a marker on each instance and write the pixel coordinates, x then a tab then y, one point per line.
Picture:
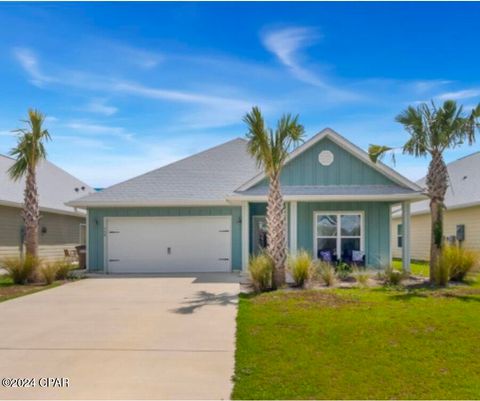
463	189
206	177
349	147
55	187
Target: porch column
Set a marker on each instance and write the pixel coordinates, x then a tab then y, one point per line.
293	227
245	236
406	236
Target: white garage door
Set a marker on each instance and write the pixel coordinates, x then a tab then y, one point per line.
168	244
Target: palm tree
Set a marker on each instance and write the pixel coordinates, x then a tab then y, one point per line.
270	149
433	130
28	153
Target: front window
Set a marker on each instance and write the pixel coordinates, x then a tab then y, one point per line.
339	233
399	235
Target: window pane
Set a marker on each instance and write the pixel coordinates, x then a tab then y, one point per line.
326	226
350	224
399	241
399	229
348	245
327	244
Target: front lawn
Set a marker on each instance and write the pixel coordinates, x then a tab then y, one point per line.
418	268
359	344
9	290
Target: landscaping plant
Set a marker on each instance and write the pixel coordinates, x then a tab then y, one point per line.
361	275
260	269
21	270
325	272
457	262
48	272
63	269
270	148
300	267
391	276
433	130
343	270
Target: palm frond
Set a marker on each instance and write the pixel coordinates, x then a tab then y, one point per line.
378	152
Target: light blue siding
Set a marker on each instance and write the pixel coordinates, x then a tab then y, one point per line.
376	224
346	169
96	229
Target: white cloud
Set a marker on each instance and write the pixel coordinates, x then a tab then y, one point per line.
286	45
100	106
461	94
88	128
29	63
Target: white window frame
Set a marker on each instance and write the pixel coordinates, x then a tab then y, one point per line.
338	236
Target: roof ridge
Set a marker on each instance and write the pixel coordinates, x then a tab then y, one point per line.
172	163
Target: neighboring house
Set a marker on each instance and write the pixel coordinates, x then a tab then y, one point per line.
461	217
61	227
207	212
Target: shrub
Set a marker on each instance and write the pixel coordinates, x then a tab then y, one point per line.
361	276
260	269
21	270
343	270
455	263
49	272
300	267
392	276
63	269
326	273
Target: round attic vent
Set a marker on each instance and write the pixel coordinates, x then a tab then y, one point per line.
325	158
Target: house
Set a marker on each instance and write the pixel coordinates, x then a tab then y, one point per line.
207	212
461	217
61	227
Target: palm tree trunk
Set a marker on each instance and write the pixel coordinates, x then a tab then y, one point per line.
31	213
437	184
276	233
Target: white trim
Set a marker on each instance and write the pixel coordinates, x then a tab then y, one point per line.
406	236
245	235
349	147
338	236
320	198
105	245
390	254
87	256
293	227
163	203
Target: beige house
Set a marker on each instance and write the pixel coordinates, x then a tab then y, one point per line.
461	219
61	227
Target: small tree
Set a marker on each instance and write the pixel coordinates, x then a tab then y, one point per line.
270	149
28	153
433	130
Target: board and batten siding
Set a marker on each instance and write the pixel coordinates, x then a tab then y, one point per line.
346	169
420	230
376	226
63	232
96	218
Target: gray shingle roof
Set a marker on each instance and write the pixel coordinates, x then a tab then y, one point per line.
464	187
55	187
206	176
329	190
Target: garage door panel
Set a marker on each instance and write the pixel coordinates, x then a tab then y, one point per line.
169	244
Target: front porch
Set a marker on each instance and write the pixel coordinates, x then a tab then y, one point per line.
345	230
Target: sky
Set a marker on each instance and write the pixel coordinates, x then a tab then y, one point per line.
130	87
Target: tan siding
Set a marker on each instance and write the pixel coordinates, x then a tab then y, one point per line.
62	232
420	230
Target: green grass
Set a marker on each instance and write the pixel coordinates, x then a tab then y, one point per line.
359	344
418	268
9	290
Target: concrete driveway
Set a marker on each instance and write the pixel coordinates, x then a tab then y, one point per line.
163	337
